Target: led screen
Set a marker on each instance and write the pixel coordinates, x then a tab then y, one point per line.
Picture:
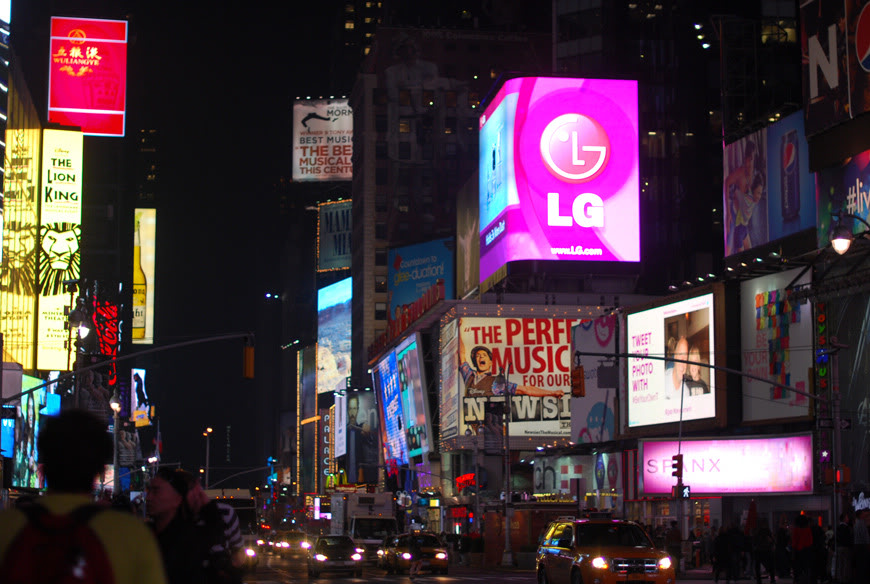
7	431
768	189
417	277
333	235
322	140
528	358
415	400
559	172
361	437
143	277
87	75
731	466
395	444
25	469
657	388
333	335
776	343
20	236
140	403
592	416
59	255
449	405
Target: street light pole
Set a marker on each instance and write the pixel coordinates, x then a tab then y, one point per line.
115	404
207	435
507	558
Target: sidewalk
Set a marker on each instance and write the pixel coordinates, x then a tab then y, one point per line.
705	574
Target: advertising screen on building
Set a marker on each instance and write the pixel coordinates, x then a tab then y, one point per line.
60	235
333	235
526	358
18	288
361	437
25	469
87	75
657	388
843	188
782	464
144	260
768	189
140	403
306	392
776	344
559	172
333	335
415	399
449	404
389	392
322	140
592	416
421	273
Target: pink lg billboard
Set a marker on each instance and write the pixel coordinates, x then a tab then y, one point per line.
782	464
559	172
88	75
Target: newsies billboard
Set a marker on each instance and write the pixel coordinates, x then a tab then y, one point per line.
558	173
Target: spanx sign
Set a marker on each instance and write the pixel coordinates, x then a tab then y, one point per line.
778	464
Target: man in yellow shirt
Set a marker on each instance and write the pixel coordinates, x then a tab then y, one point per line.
72	450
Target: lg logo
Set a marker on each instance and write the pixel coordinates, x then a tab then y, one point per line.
575	149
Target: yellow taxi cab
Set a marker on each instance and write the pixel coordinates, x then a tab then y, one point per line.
397	555
600	551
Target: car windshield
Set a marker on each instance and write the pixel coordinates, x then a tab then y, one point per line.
336	542
426	541
293	537
373	528
607	534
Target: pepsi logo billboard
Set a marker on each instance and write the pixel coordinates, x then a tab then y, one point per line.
559	172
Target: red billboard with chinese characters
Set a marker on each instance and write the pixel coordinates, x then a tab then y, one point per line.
87	75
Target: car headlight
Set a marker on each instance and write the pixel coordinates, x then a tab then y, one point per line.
599	563
305	545
260	542
360	550
381	553
320	557
250	553
356	557
664	563
441	556
406	556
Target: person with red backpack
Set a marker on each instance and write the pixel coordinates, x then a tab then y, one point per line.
64	537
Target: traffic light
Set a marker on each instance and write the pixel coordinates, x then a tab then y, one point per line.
578	382
248	366
677	466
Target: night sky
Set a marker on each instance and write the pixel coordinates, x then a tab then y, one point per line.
217	83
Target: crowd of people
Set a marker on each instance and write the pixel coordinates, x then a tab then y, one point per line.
188	539
802	549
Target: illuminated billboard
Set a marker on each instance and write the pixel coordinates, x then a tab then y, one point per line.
592	416
776	344
658	389
360	437
322	140
389	392
60	235
333	335
333	235
20	230
140	403
768	190
559	172
144	259
417	274
782	464
843	189
415	400
87	75
25	469
527	358
449	404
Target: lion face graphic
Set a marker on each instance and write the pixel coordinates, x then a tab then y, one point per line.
19	258
60	259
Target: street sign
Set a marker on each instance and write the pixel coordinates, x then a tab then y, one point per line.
828	423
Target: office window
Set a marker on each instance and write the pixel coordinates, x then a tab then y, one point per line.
380	311
380	257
